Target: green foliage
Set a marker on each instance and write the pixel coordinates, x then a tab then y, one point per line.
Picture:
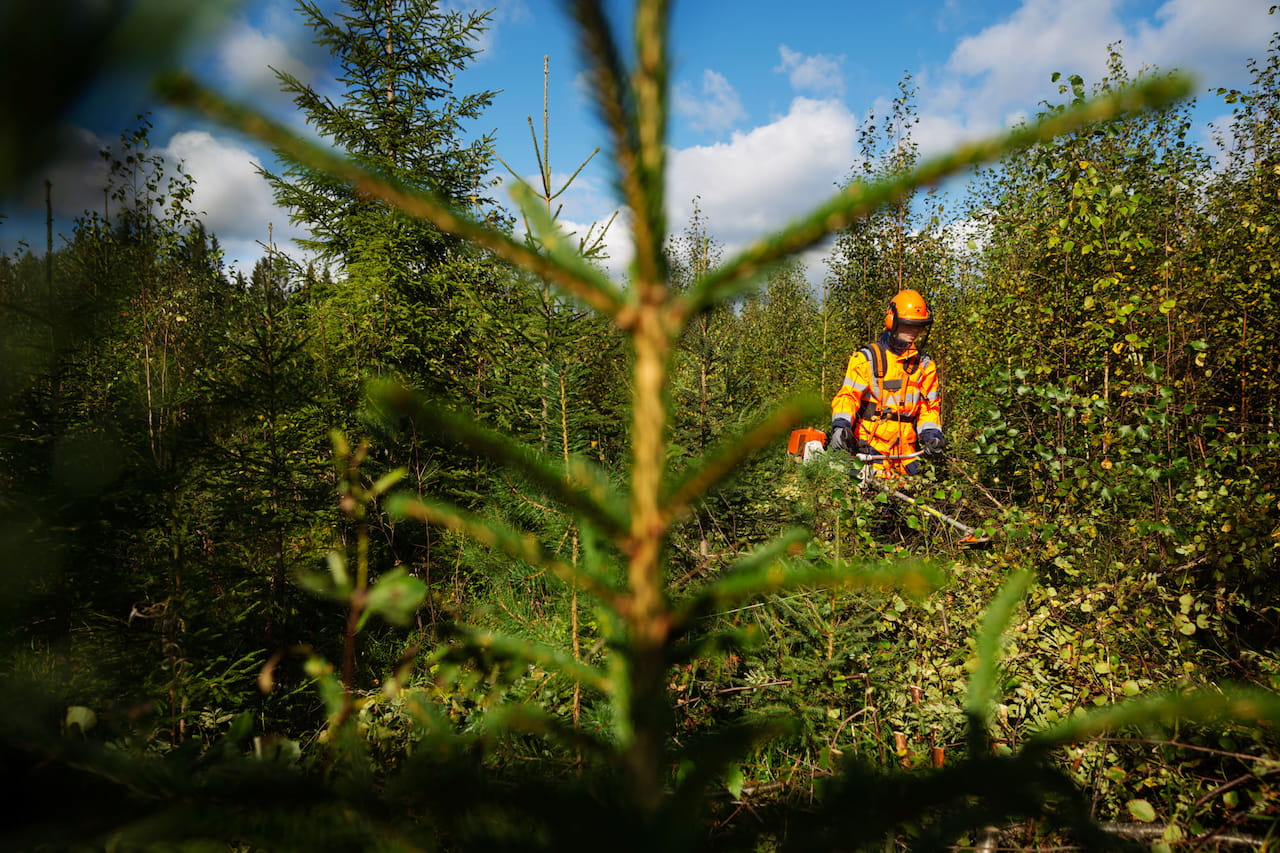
538	615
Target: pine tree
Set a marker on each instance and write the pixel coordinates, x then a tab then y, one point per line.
780	319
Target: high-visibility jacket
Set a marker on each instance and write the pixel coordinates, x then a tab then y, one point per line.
890	407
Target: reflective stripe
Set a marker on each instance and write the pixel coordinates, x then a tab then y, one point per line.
888	408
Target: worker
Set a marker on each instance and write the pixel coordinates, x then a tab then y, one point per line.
890	404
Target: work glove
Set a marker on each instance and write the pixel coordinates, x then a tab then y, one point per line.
932	443
841	438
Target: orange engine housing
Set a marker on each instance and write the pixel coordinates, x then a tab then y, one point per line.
801	437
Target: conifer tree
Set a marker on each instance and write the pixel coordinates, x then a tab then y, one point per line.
400	305
785	358
706	395
704	389
406	300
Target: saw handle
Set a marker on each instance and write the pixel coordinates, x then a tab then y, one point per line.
871	457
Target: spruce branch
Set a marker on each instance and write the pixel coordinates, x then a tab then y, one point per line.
520	546
616	108
651	85
490	644
766	572
545	230
534	721
724	459
583	487
981	692
1238	704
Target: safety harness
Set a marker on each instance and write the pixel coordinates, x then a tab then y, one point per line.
872	410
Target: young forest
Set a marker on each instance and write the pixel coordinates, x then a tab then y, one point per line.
448	541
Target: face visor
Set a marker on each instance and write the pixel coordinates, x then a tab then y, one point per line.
909	334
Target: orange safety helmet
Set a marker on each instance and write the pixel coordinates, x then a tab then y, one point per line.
908	308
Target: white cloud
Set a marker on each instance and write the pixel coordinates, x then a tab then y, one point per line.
819	73
245	60
936	134
716	107
754	183
1000	75
997	73
1207	39
760	180
230	197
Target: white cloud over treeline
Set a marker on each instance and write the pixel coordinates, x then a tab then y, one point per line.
759	172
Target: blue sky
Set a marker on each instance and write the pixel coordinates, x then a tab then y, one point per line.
768	96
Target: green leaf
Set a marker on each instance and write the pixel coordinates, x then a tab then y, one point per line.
1142	810
396	596
734	780
80	717
337	563
387	480
336	585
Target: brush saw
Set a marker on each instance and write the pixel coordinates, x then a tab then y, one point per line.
807	445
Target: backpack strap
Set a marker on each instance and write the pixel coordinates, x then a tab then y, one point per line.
875	356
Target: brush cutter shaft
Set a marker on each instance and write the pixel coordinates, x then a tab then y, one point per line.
946	519
970	533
